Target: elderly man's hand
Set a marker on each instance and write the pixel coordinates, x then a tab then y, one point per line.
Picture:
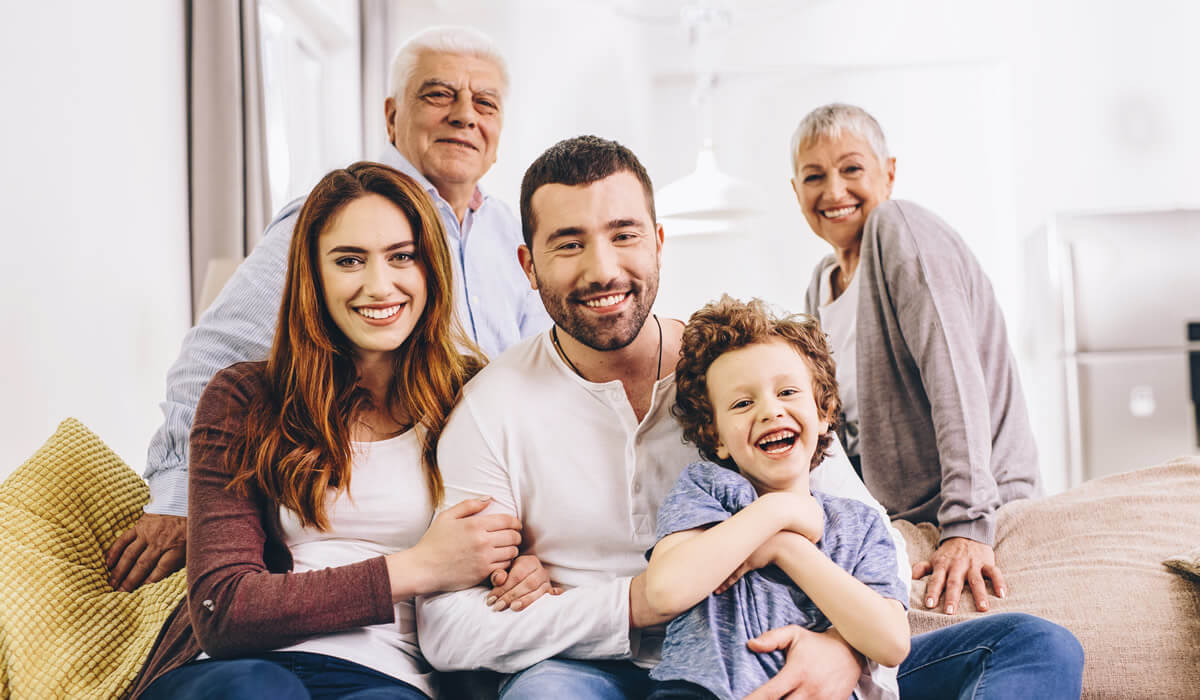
151	550
818	665
958	560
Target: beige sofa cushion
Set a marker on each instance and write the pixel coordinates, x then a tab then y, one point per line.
1091	559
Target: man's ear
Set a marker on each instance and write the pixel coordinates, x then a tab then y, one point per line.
389	111
525	257
890	167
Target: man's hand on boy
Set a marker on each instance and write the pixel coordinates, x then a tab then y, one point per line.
818	664
956	561
524	582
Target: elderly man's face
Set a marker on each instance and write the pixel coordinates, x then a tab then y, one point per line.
838	183
595	258
447	122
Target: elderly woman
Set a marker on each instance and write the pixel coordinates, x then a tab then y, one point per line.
942	433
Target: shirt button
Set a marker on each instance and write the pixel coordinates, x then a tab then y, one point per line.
208	604
637	487
474	300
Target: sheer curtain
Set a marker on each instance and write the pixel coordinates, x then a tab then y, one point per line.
229	196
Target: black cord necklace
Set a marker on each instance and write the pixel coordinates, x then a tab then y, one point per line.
563	353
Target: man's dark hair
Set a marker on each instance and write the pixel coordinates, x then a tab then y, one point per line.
579	161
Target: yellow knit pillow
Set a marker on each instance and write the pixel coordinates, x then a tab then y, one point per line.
63	631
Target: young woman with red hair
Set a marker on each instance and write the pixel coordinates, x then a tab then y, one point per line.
313	482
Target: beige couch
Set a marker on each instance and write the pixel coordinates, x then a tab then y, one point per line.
1091	559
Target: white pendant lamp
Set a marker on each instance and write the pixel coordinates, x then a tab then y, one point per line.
707	200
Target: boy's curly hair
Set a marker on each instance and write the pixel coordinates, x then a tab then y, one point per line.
728	324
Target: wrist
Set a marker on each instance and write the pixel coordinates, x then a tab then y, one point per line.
407	576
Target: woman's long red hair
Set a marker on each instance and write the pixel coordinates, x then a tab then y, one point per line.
297	436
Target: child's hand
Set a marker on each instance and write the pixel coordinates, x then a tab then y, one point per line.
763	556
800	512
524	582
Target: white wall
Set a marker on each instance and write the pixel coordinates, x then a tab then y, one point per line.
93	196
999	113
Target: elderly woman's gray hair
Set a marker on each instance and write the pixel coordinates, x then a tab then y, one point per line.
457	40
831	121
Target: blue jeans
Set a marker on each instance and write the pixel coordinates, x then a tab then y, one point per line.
578	680
288	675
1004	655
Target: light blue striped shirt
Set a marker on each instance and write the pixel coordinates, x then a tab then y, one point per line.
492	295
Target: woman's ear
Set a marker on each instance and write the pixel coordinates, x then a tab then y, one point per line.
722	452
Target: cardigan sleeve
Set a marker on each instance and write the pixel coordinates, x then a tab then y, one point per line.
238	605
933	290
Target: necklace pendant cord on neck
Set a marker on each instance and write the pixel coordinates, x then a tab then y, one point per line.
563	353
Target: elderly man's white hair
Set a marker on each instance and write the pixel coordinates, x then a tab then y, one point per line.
831	121
457	40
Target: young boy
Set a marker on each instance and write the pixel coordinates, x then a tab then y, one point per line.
757	394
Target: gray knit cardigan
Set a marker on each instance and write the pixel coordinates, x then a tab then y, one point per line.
943	429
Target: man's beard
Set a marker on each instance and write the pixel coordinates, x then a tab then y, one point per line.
602	333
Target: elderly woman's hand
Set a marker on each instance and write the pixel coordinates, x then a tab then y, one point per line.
958	560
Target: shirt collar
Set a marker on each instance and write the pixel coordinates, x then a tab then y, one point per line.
393	157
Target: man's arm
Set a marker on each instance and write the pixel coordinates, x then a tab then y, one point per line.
239	326
458	631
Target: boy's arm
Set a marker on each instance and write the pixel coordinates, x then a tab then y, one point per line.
872	624
687	566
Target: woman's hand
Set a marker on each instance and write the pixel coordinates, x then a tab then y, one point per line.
956	560
461	548
524	582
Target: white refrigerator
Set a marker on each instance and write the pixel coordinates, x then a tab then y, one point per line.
1122	312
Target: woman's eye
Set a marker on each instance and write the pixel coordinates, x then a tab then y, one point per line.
788	392
812	178
347	261
741	404
852	169
403	257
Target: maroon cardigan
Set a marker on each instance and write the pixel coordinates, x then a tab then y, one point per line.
241	598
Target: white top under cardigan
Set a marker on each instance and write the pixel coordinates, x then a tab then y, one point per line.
838	318
386	509
569	458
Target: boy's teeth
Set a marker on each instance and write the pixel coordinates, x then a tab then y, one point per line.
379	313
837	213
604	301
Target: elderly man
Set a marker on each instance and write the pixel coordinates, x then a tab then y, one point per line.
589	451
444	117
